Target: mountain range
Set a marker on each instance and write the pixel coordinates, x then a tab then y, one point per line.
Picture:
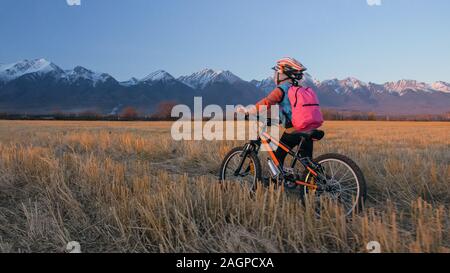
40	86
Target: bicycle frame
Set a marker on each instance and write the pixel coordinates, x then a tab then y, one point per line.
265	139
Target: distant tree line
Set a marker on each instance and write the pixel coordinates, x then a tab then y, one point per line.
129	113
331	114
164	109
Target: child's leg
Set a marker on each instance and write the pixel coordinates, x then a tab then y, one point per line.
307	148
289	140
292	140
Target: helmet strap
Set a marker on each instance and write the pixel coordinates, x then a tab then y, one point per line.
278	80
296	80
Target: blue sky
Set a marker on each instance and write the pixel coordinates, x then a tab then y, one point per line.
333	38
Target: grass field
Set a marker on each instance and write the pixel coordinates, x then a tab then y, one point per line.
128	187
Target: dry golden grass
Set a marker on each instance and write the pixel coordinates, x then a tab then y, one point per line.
126	186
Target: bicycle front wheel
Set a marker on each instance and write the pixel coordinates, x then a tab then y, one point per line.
249	173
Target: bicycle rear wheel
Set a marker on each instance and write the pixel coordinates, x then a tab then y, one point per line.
340	179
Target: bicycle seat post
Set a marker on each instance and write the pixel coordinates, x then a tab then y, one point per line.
299	148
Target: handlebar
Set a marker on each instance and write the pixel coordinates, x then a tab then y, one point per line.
266	122
262	119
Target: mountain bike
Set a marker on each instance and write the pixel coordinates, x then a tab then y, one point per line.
330	175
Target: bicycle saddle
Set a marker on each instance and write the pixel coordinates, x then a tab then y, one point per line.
313	134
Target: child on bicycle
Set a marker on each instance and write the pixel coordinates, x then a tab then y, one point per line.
288	74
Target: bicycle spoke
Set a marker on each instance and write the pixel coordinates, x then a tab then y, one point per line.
349	188
347	193
341	183
348	179
345	175
348	202
332	172
246	176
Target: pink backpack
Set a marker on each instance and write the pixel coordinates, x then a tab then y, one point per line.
306	113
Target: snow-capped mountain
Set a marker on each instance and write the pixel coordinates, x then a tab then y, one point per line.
40	86
345	86
407	85
9	72
157	76
334	84
43	67
405	96
350	85
203	78
309	81
441	86
132	81
266	85
160	76
81	73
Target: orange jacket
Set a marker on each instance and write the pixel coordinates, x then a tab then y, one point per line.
274	97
